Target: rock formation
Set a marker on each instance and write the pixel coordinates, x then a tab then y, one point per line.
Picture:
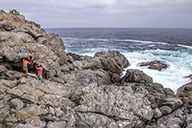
81	91
156	65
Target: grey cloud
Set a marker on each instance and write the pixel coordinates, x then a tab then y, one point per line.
105	13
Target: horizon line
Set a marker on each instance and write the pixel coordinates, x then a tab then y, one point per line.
114	28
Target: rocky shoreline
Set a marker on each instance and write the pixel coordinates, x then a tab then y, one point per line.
81	91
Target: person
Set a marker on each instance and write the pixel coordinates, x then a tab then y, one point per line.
30	57
45	74
39	72
25	69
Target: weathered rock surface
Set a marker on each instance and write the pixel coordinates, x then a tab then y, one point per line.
81	91
156	65
185	93
136	76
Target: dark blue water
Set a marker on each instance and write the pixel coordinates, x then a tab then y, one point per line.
174	46
118	38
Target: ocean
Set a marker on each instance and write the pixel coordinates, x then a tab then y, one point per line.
173	46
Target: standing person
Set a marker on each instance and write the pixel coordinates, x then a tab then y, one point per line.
25	69
39	72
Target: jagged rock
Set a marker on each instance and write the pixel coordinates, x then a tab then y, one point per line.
56	44
112	61
157	113
56	124
115	78
86	77
174	103
188	121
17	46
134	75
165	110
78	57
18	103
169	92
157	65
35	124
3	71
120	105
14	12
178	118
185	93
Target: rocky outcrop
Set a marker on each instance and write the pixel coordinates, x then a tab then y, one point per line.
81	91
156	65
56	44
28	36
185	93
134	75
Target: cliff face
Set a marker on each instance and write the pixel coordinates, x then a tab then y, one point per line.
81	91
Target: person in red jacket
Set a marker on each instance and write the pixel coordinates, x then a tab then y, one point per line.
39	72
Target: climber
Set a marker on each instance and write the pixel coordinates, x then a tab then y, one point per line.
31	67
30	57
39	74
45	74
25	69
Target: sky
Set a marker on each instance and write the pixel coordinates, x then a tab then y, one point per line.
104	13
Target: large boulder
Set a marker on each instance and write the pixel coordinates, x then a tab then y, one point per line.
156	65
16	46
112	61
19	36
56	44
119	60
134	75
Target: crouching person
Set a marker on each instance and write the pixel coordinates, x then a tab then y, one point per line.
39	72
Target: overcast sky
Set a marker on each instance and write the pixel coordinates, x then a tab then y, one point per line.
104	13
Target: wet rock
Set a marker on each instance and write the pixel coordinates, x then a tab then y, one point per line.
156	65
134	75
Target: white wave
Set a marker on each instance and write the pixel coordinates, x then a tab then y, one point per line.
185	46
123	40
173	76
142	41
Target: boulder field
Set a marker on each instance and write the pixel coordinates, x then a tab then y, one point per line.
80	91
